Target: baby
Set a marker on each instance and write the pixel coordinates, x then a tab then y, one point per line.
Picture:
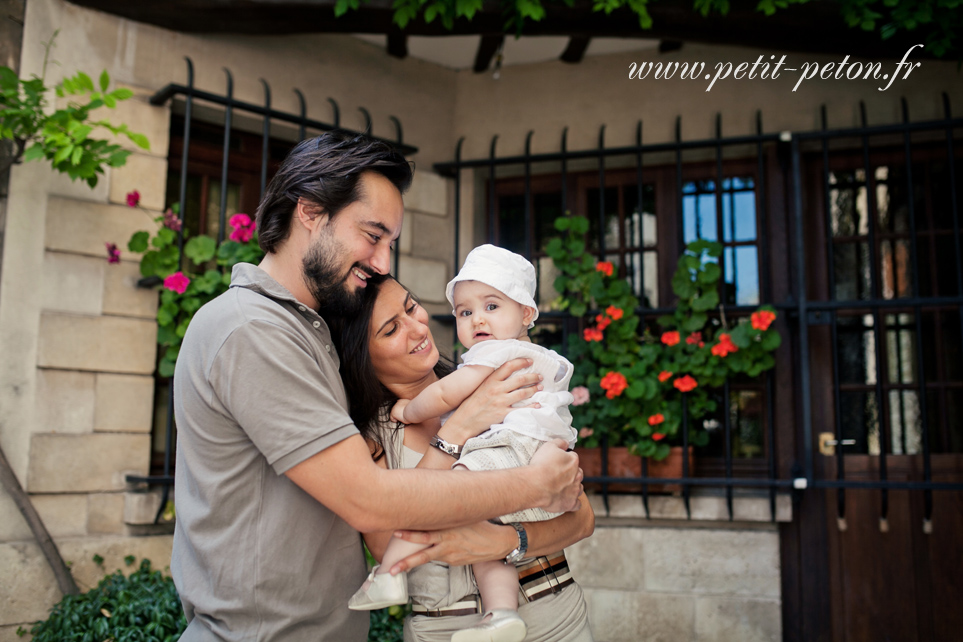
494	307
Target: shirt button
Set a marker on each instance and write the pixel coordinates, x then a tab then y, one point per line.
316	324
302	308
328	348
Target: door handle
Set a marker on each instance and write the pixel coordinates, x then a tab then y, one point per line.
828	443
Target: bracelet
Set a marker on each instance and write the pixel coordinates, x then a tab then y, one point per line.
522	547
448	448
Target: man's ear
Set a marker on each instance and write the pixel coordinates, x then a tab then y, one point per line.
309	216
528	315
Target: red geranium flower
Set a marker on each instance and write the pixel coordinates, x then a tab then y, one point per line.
658	436
177	282
605	267
685	384
592	334
656	419
724	347
614	312
695	337
614	384
762	319
602	321
113	254
670	338
664	376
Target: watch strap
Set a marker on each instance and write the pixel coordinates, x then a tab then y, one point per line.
522	548
446	447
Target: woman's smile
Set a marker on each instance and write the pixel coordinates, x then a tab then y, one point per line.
424	345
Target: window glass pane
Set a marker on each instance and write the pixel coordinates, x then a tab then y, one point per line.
547	207
738	210
901	348
699	211
639	225
905	422
856	350
214	206
847	197
851	269
611	218
859	413
511	223
741	275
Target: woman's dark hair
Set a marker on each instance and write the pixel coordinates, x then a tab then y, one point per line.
325	171
369	402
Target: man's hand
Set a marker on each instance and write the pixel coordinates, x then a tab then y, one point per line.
480	542
398	411
558	473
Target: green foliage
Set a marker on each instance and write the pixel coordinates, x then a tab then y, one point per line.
620	361
937	21
62	137
387	625
207	271
143	607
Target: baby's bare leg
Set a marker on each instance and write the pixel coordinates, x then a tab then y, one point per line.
397	550
498	585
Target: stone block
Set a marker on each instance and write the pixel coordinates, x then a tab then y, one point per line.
721	619
121	295
140	116
623	616
91	463
404	241
106	344
105	514
80	553
124	403
427	279
82	227
433	238
701	561
611	559
13	526
61	185
29	588
65	401
144	173
73	283
62	515
140	508
428	194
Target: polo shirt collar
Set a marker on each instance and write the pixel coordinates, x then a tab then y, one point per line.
251	277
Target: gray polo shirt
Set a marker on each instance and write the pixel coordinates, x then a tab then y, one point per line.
256	392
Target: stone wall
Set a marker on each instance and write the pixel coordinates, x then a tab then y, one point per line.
666	579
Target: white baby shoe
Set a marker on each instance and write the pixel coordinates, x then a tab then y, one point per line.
382	590
504	626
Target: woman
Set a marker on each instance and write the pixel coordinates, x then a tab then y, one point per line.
388	353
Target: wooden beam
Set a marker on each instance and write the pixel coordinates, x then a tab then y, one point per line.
487	49
575	50
398	45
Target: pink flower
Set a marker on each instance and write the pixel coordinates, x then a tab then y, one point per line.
177	282
133	198
171	221
585	432
243	228
581	394
113	254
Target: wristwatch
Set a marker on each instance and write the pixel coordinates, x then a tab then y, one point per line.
450	449
522	547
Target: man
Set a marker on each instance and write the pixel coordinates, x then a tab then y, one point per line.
273	481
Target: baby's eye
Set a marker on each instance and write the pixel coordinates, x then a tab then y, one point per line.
465	313
491	306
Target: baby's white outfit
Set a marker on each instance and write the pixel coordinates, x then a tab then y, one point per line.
513	442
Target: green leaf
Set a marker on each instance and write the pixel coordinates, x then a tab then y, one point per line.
200	249
104	80
770	340
695	323
138	242
705	302
139	139
34	152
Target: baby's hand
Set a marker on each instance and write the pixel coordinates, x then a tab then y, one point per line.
398	411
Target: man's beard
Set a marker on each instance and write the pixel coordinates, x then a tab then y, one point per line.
328	286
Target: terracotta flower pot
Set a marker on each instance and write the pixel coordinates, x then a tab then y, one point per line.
623	464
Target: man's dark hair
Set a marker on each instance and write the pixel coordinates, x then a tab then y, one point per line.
369	401
324	171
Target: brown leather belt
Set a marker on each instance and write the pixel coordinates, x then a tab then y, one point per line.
537	578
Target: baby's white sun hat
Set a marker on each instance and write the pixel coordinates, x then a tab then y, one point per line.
507	272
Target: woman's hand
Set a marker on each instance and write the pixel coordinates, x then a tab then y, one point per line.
398	411
492	400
